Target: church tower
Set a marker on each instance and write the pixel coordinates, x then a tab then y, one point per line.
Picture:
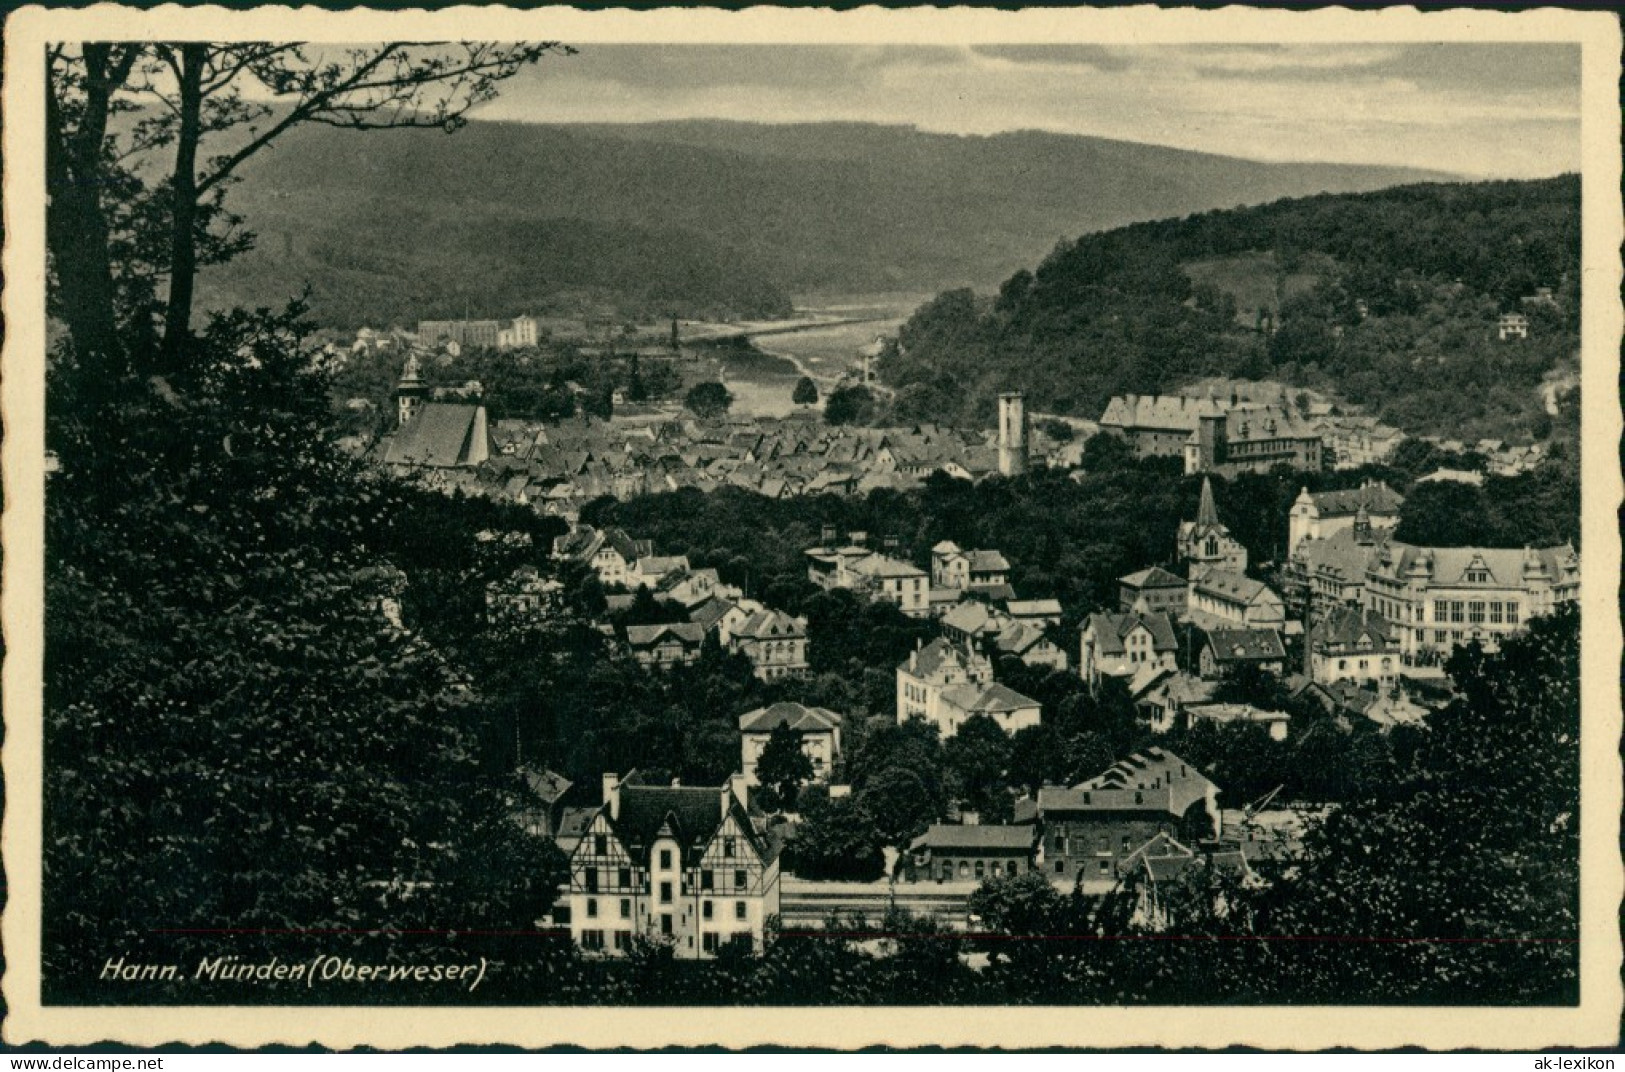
1013	436
409	392
1206	544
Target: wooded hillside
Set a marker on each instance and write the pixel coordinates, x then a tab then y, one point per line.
1390	299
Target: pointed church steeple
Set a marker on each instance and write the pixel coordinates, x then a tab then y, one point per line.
1205	543
1207	515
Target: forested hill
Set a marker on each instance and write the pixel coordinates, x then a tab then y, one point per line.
696	217
1391	299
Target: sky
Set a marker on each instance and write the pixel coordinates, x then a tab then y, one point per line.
1482	110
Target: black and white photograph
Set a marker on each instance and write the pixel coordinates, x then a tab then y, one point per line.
511	521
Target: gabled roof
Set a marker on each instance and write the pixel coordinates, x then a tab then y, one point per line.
1246	645
660	565
1111	629
937	656
1340	555
798	717
690	814
1236	587
1162	857
945	836
1234	712
770	625
547	786
991	699
629	549
708	613
1180	689
440	434
1017	638
878	565
1352	627
1036	608
972	617
1506	565
1154	780
988	562
644	636
579	542
1155	577
1169	413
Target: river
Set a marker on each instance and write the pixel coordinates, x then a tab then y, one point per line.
823	351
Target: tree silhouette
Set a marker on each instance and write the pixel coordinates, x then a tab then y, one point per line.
783	767
708	400
114	238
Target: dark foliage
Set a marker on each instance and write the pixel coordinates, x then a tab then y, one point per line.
1390	299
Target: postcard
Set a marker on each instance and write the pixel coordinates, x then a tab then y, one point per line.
916	527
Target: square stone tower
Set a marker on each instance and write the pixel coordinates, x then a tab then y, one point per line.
1013	435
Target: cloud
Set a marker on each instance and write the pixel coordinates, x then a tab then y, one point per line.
1503	110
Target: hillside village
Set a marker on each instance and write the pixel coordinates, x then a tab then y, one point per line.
1353	626
442	437
601	561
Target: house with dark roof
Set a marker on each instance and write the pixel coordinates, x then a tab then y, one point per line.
612	554
690	866
1087	830
1157	425
1121	645
1152	591
1317	515
774	642
1161	697
1353	644
970	854
665	645
1223	649
819	731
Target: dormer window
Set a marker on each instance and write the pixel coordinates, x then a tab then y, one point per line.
1478	576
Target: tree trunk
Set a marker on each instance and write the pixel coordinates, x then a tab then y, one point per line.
76	224
183	245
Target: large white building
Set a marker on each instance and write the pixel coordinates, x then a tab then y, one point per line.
1439	597
685	865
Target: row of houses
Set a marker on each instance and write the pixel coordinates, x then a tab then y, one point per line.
699	868
1370	614
557	467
